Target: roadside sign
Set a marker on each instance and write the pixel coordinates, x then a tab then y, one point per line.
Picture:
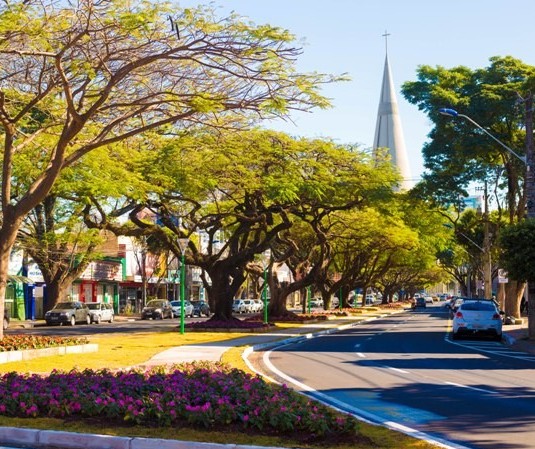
502	276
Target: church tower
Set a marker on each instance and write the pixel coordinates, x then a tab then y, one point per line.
388	131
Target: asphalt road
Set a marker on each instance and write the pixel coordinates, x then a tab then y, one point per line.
118	326
403	371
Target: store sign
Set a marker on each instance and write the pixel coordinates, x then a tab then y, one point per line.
101	270
502	276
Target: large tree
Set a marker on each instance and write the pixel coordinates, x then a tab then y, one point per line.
242	193
459	152
86	74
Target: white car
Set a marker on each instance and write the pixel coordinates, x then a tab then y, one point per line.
477	317
238	306
258	305
100	311
177	308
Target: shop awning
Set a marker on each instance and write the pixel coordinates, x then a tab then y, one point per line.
17	278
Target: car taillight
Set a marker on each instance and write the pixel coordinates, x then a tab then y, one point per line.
496	316
458	315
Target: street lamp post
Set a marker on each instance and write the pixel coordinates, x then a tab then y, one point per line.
487	265
265	264
183	244
529	183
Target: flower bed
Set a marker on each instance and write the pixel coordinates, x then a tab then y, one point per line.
206	395
15	348
22	342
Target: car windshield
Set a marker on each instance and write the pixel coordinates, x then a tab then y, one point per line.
93	306
478	306
64	305
175	303
155	304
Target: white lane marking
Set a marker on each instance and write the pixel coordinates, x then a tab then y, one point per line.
471	388
360	354
358	413
397	370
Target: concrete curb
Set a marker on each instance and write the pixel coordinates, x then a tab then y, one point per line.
29	354
72	440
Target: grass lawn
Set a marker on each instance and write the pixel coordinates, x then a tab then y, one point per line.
126	350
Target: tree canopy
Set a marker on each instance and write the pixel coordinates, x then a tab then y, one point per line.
89	74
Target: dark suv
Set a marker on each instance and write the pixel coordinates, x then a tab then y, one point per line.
201	308
419	302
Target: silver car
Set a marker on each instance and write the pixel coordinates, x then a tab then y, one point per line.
176	306
69	312
100	311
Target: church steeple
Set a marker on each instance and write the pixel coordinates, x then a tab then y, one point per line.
388	131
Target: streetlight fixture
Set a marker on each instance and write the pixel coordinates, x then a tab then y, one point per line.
183	244
266	259
453	113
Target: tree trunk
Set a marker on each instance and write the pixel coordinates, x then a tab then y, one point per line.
56	291
225	284
514	291
8	235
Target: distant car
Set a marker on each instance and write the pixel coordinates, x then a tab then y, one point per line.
316	302
428	299
100	311
477	317
419	302
69	312
177	307
258	305
6	320
239	306
201	308
370	299
157	309
249	305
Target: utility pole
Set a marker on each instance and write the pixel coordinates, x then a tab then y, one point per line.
530	202
487	263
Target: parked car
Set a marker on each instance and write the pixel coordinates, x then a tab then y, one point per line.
258	305
249	305
176	306
201	308
477	317
239	306
316	302
6	320
428	299
100	311
68	312
157	309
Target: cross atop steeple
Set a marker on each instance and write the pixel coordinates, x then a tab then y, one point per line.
386	40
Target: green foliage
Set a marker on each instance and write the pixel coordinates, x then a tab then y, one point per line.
458	152
518	250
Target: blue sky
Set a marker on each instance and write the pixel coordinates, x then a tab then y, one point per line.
345	36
